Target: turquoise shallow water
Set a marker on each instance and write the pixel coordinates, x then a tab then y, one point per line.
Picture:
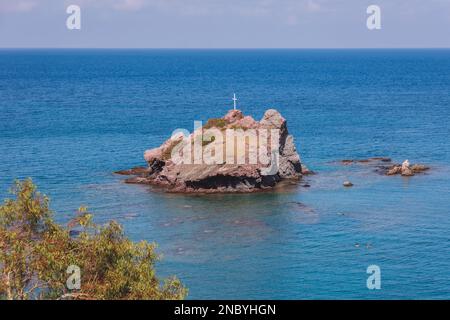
68	118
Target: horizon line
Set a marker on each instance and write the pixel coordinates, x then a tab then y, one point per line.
219	48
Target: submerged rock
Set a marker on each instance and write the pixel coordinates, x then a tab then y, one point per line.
255	157
365	161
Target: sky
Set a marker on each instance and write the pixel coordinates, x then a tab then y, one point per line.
224	24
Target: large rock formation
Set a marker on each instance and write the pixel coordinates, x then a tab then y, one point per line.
268	155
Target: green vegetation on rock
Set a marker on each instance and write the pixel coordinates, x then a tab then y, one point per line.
167	153
215	123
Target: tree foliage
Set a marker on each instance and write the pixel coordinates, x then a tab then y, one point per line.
35	253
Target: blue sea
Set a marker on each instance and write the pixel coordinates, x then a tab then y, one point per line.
69	118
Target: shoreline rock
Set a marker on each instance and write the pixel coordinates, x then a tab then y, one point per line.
132	171
225	177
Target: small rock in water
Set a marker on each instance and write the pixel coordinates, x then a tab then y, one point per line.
405	169
395	169
347	184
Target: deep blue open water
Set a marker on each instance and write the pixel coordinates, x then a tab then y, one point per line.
69	118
